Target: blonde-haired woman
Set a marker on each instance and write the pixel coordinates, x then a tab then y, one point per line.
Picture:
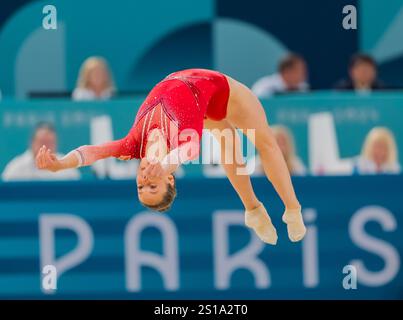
379	153
285	141
95	81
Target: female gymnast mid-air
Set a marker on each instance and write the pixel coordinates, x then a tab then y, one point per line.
167	131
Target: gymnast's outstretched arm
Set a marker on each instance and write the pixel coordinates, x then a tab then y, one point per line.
82	156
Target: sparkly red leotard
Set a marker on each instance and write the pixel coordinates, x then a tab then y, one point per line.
180	101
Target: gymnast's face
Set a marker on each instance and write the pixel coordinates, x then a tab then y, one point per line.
151	190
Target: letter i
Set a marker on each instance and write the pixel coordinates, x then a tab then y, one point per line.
310	257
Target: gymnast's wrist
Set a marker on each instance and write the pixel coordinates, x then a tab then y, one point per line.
73	159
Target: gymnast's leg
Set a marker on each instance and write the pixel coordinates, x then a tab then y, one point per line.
245	112
256	216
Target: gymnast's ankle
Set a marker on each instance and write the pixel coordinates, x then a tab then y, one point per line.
293	208
251	207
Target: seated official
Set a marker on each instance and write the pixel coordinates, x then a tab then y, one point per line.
362	75
291	77
22	167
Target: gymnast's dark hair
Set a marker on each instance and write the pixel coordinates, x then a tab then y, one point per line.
167	200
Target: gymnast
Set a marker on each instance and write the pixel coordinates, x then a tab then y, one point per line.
167	131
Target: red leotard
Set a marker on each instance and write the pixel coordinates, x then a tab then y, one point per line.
181	101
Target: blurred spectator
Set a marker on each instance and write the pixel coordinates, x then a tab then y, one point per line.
95	81
285	141
291	76
362	75
379	153
23	166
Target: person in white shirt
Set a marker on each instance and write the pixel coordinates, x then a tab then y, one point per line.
379	154
291	77
95	81
285	141
22	167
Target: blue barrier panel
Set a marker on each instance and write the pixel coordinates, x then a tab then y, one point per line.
105	245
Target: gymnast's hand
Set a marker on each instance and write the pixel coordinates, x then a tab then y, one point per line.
46	160
154	169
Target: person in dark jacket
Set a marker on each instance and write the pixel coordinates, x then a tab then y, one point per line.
362	75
